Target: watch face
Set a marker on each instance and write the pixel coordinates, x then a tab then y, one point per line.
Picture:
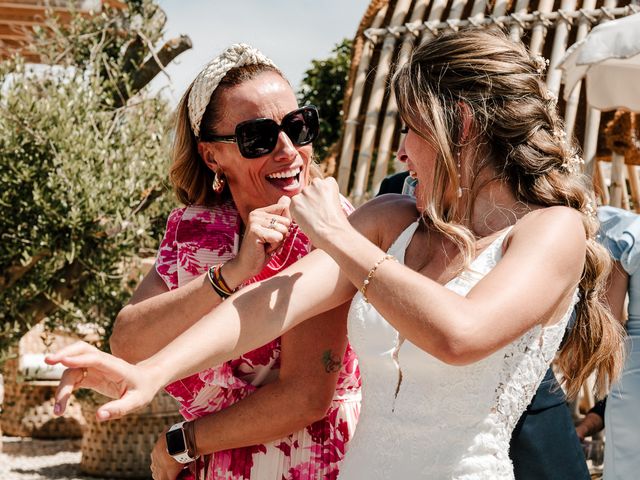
175	442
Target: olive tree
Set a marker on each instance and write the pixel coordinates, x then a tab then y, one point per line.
83	162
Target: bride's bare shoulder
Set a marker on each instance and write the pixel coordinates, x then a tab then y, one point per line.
382	219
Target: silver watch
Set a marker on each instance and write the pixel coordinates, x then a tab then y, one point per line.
178	445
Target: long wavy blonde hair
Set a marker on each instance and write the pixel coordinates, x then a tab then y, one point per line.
520	132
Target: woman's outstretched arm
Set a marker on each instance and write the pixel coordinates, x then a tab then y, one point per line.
255	316
245	321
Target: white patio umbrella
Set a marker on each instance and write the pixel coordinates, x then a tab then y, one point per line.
609	60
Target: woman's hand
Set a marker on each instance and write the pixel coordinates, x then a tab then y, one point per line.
163	466
591	424
133	386
266	230
318	211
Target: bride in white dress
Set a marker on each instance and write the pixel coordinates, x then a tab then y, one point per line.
455	333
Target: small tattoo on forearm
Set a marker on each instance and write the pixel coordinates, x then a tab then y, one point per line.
331	362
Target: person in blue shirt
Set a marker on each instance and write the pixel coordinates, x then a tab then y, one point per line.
619	232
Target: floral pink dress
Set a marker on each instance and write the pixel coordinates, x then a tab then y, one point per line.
196	238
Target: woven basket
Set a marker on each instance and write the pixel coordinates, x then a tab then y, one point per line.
28	409
1	403
122	448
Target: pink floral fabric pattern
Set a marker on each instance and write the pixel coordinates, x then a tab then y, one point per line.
197	237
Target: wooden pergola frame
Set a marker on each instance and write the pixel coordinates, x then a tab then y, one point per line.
391	28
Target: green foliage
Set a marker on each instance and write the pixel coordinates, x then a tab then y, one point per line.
323	86
83	193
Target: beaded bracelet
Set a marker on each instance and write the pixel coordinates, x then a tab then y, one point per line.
217	282
372	272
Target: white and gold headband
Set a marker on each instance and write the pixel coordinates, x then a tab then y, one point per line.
237	55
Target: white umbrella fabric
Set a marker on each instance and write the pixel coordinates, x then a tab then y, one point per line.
609	58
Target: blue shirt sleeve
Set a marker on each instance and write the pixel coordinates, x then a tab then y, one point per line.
619	231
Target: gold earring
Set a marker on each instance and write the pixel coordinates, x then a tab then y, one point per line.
218	182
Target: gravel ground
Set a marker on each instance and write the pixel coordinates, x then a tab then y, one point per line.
31	459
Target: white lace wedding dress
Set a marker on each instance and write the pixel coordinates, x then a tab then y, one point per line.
445	421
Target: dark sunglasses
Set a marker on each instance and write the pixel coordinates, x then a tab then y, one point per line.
259	136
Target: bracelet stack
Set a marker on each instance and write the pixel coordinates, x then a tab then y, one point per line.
218	283
372	272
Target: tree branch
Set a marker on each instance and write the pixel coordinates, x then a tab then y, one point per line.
149	197
165	55
16	272
41	306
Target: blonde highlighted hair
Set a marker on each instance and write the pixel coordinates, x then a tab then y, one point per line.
520	134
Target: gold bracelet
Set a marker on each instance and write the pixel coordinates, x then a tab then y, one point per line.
372	272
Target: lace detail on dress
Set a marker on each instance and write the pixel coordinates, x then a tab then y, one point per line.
446	421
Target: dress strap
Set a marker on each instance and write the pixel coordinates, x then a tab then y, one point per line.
399	246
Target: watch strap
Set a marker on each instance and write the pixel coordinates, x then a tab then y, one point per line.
190	434
186	456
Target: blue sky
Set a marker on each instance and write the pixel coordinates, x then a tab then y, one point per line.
290	32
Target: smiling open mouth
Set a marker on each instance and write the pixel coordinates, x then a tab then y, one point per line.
285	179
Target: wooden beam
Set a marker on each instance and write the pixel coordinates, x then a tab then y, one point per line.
8	30
12	44
19	23
13	41
21	10
28	56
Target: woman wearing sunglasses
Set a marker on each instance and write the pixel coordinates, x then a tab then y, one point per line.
462	295
241	144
